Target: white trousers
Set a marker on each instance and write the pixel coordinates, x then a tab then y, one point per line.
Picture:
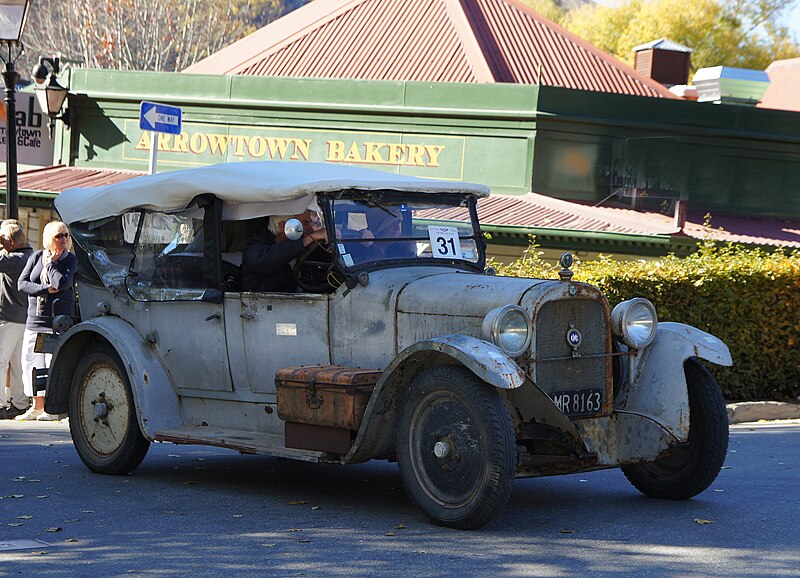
31	360
10	356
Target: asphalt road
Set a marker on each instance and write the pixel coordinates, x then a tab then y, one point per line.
191	510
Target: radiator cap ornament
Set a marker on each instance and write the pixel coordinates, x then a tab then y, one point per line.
566	262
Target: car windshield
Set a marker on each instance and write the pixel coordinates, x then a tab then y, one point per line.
377	228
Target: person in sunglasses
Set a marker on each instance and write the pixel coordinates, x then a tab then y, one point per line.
47	279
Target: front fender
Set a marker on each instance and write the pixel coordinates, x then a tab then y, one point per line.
156	401
658	388
484	359
489	363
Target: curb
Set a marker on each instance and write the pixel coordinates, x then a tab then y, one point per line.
762	410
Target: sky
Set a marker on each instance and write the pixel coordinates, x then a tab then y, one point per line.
793	21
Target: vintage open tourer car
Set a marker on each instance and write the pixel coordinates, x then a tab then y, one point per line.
398	344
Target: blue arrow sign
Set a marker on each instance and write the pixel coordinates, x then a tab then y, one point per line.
159	118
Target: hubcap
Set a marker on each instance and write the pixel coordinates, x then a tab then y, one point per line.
441	450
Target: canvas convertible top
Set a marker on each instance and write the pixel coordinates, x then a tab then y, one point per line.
247	189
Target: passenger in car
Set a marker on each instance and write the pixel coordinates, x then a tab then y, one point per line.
267	255
380	225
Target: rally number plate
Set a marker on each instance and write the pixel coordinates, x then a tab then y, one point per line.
578	402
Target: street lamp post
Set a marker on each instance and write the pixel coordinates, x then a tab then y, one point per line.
13	14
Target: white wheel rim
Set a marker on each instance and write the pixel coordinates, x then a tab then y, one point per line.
102	384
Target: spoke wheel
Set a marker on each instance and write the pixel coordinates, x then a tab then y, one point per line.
456	448
694	466
103	421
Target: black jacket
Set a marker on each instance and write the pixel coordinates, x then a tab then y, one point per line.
13	303
40	301
265	263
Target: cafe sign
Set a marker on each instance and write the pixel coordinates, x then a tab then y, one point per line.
34	146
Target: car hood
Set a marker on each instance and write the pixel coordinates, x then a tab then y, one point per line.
464	294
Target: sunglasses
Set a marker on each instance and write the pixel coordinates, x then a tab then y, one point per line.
62	236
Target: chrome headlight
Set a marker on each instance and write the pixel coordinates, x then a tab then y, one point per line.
635	322
509	328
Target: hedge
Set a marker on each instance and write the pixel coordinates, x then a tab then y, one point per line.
749	298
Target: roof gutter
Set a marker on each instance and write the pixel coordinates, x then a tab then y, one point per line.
650	245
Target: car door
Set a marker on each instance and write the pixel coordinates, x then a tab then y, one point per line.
276	330
173	275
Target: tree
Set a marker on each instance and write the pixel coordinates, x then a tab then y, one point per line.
550	9
142	34
738	33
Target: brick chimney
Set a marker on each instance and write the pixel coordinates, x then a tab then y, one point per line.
664	61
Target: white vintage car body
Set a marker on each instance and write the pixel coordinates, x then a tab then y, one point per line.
198	364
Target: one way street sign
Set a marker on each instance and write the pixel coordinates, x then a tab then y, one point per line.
160	118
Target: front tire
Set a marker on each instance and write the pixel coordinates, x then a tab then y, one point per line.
456	448
693	467
103	423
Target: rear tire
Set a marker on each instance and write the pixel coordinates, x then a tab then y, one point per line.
693	467
103	423
456	448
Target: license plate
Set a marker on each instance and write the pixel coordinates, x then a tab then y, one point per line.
578	402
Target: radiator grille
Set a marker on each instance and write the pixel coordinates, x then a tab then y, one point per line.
550	341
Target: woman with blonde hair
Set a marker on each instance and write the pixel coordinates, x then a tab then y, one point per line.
47	280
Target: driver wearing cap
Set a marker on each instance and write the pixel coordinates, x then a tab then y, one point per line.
267	255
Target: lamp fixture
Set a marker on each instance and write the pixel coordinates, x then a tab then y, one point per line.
13	14
49	93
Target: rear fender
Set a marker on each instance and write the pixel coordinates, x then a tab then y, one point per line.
156	401
658	389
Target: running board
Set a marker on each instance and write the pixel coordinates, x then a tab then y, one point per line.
246	442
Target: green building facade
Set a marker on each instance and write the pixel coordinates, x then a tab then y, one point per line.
568	144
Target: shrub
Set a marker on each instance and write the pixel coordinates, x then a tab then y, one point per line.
749	298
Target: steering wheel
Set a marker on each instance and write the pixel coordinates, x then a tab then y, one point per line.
311	275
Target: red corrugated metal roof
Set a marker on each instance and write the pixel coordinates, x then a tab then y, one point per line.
526	211
784	85
539	211
58	178
427	40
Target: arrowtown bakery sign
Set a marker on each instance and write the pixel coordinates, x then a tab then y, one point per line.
201	144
